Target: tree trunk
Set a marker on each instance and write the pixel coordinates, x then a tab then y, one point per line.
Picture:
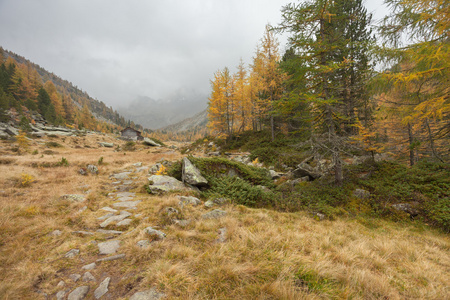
430	139
411	146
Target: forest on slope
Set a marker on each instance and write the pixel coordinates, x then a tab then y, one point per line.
25	87
326	91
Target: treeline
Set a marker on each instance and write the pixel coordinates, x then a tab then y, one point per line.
325	86
26	86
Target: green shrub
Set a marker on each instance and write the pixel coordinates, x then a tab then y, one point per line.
53	145
129	146
64	162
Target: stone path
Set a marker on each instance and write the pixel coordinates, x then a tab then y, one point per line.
121	213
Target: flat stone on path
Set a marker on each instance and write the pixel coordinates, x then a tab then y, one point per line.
125	222
117	218
88	277
75	277
143	243
214	214
102	288
155	234
121	176
189	200
125	194
74	197
105	217
106	208
89	266
118	256
109	247
109	231
125	198
81	232
151	294
72	253
127	204
60	295
79	293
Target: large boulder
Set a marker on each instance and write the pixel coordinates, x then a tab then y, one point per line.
150	142
192	175
410	208
303	169
161	184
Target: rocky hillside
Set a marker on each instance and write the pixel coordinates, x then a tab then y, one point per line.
197	122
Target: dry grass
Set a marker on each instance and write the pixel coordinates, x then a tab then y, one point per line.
267	255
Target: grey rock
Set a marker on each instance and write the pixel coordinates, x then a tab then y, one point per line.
82	233
128	182
110	258
109	247
60	295
72	253
109	231
125	194
155	234
410	208
79	293
107	145
222	235
149	142
82	171
155	168
151	294
274	175
138	164
123	199
74	197
88	277
140	169
191	175
214	214
162	184
55	233
75	277
121	176
127	204
220	201
92	169
125	222
170	211
361	194
303	169
319	216
11	131
182	223
61	284
143	243
185	200
116	218
89	266
209	203
214	153
102	288
105	216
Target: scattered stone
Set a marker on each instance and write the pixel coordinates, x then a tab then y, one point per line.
116	182
121	176
143	243
409	208
274	174
125	194
89	266
138	164
109	247
92	169
141	169
79	293
361	194
105	216
303	169
151	294
149	142
155	168
182	223
137	215
115	257
171	211
116	218
74	197
106	208
214	214
109	231
161	184
60	295
220	201
319	216
61	284
209	204
125	222
189	200
128	182
107	145
88	277
72	253
82	209
222	235
75	277
80	232
124	199
155	234
55	233
102	288
127	204
82	171
191	175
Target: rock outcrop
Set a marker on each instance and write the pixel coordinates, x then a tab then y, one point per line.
191	175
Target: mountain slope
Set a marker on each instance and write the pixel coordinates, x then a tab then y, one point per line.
188	129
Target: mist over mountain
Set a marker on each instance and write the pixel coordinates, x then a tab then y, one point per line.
155	114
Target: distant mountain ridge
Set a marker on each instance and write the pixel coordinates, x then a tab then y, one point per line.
79	97
198	121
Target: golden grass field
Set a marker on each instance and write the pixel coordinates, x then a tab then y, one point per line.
266	255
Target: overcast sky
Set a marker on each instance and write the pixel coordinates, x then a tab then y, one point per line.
118	50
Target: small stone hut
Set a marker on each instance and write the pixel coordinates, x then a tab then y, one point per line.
131	134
